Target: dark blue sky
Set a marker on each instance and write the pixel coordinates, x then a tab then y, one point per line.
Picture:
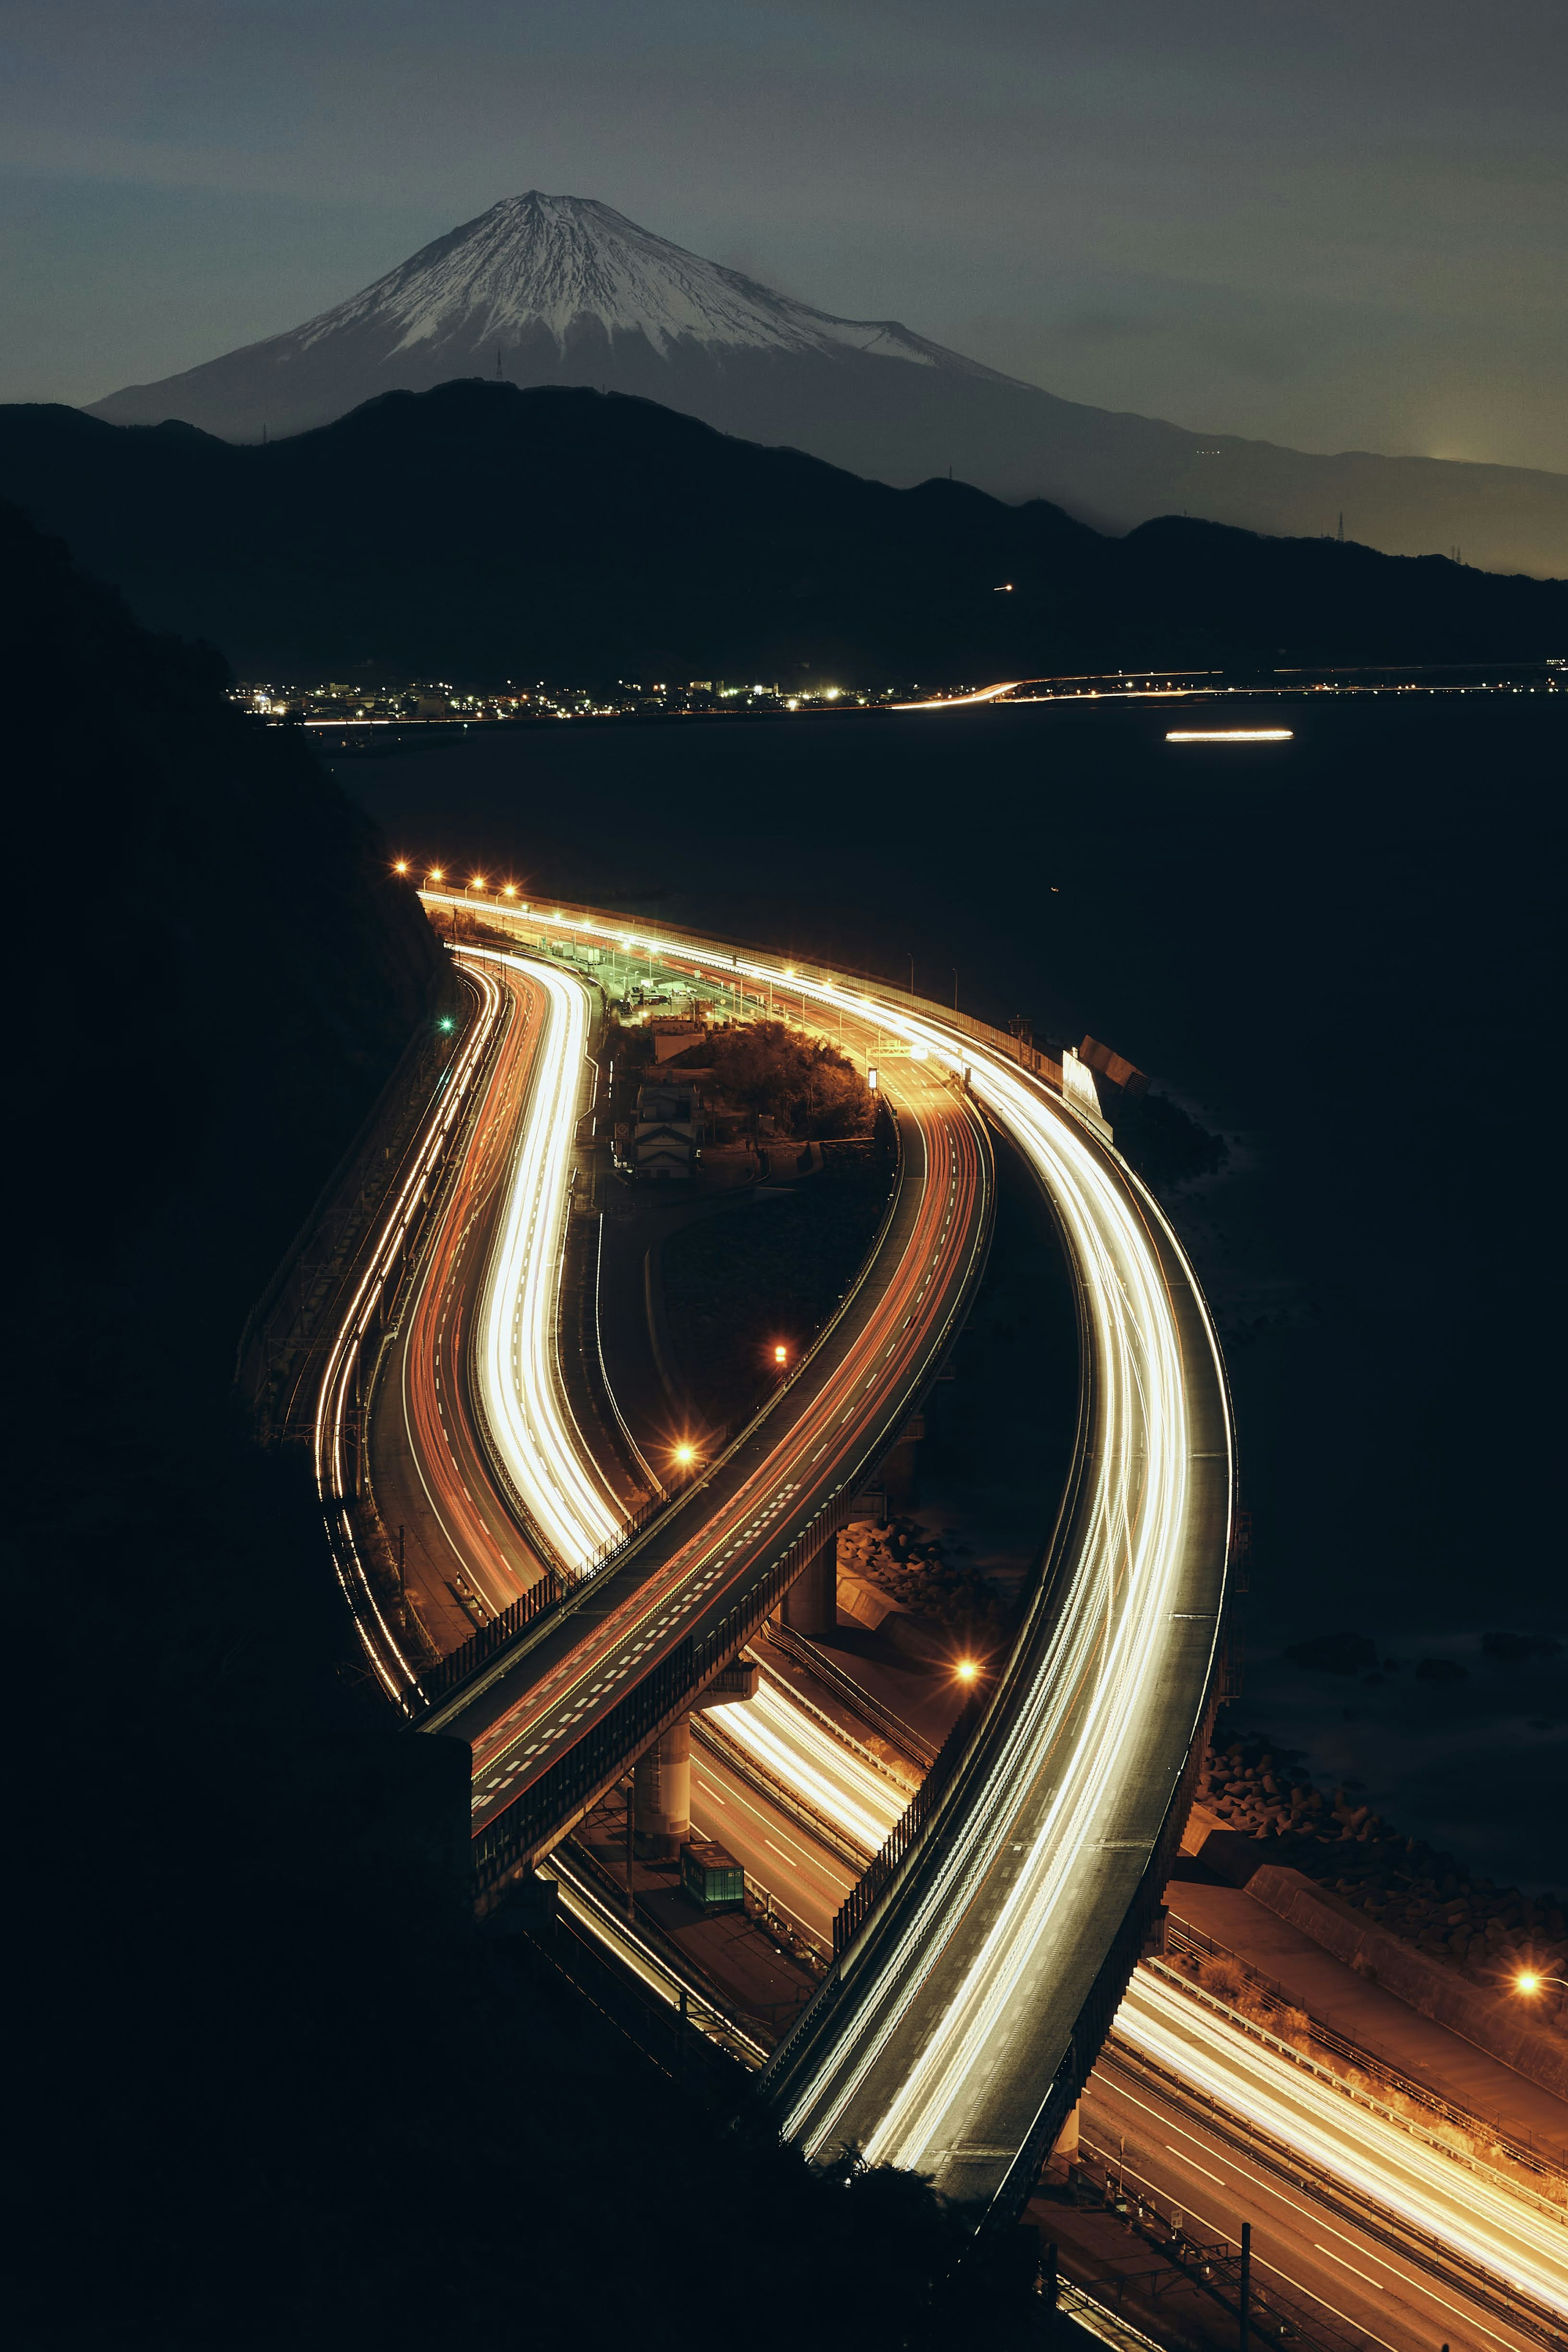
1334	224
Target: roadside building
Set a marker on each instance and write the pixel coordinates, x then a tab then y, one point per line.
664	1137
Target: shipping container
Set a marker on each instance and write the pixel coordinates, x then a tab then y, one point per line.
711	1876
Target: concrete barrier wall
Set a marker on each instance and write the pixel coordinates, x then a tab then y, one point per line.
1498	2023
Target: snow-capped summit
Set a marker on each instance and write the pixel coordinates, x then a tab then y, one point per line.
570	265
565	291
540	289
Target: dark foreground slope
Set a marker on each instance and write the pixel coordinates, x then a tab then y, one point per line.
268	2084
479	532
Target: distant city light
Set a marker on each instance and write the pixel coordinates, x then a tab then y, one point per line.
1230	735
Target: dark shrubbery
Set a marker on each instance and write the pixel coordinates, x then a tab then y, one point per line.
810	1088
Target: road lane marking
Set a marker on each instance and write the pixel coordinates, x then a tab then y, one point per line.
1378	2283
1260	2184
1263	2263
1181	2158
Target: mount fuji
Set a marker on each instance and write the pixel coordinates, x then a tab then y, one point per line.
546	289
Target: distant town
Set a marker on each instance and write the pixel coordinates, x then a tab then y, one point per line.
417	703
437	699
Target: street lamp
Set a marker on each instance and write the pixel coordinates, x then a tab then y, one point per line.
966	1670
400	866
1530	1981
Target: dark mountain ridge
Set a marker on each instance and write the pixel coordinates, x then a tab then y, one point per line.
480	532
564	291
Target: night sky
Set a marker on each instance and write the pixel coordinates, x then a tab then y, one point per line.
1329	225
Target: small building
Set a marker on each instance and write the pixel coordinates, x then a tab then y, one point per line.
710	1874
665	1133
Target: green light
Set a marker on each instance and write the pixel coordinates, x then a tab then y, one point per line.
445	1021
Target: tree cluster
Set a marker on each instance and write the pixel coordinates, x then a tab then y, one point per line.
810	1088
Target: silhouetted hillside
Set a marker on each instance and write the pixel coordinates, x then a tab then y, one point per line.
268	2086
480	532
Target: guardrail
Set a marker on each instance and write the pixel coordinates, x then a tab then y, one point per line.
541	1815
858	1904
286	1321
1181	1936
668	2035
729	1442
1214	2265
871	1712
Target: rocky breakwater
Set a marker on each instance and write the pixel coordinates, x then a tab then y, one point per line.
903	1582
1495	1938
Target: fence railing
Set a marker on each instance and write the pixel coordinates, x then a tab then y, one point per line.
542	1813
457	1665
871	1712
1183	1940
858	1903
285	1320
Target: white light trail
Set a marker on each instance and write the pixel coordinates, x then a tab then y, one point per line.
329	1435
1082	1730
520	1388
1084	1714
1482	2218
793	1748
1230	735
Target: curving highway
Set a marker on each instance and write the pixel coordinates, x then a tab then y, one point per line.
484	1423
945	2037
948	2024
702	1578
1482	2224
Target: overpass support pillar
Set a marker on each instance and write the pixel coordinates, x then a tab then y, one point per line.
662	1792
811	1604
899	1471
1064	2153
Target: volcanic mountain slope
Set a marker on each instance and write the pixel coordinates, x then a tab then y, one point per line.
564	291
480	532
